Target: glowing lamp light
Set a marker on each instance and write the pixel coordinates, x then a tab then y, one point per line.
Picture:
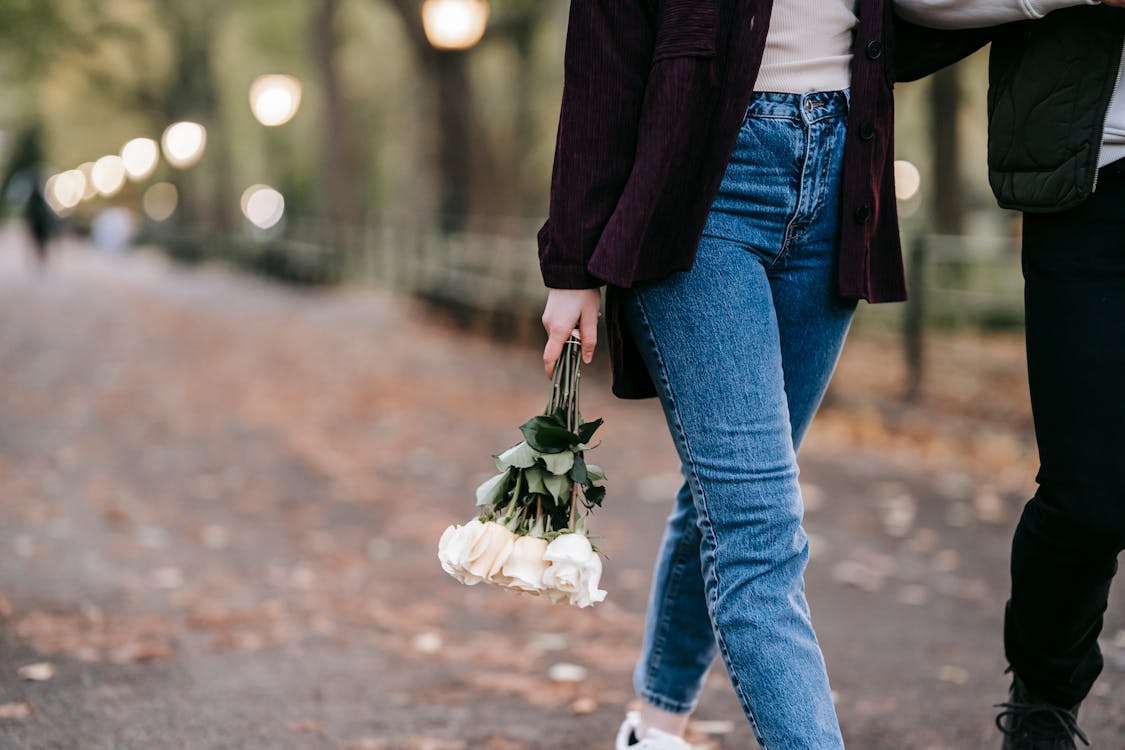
263	206
160	201
140	156
907	180
108	174
183	144
87	170
454	24
65	190
275	99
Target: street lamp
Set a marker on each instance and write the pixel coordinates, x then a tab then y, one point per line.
907	180
275	99
454	24
160	201
88	189
140	156
108	174
263	206
64	190
183	144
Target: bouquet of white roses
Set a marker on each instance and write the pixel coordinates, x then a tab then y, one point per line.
530	535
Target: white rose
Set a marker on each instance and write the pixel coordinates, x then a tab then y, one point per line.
524	568
489	552
453	547
574	571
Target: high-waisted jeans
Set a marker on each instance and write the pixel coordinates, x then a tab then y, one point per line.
741	348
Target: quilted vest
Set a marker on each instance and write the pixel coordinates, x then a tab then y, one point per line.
1050	82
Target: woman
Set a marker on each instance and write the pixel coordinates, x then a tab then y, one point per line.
728	177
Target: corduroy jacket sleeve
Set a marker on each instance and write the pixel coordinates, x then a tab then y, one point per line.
605	71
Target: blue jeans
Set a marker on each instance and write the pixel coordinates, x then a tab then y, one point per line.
741	348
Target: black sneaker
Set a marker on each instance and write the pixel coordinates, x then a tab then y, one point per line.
1029	723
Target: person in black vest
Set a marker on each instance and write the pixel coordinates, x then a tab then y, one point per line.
39	218
1057	152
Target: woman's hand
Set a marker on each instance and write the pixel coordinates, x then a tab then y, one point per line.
566	310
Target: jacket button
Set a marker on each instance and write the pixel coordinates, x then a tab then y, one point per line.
867	131
874	50
863	214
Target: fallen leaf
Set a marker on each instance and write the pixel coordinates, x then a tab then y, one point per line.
712	727
913	595
137	651
167	578
566	672
304	726
433	743
500	742
38	672
953	674
558	641
989	506
216	537
946	561
813	497
429	642
366	743
584	706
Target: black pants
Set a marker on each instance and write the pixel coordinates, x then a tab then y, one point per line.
1065	549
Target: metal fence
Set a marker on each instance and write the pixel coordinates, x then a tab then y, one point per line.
489	278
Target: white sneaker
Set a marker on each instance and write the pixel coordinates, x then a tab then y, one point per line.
655	739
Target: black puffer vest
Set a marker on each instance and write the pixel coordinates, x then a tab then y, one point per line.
1050	82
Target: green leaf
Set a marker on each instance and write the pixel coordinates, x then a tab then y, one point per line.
521	456
558	463
558	486
586	430
534	478
492	491
594	472
548	434
578	471
594	496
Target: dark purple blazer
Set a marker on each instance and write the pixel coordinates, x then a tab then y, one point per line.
654	95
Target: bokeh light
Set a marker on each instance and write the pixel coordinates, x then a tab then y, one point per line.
183	143
65	190
454	24
263	206
275	99
140	156
908	180
160	201
108	174
87	170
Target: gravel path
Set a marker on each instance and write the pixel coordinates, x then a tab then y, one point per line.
220	498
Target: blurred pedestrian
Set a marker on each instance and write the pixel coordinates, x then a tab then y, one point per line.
1057	152
39	218
728	177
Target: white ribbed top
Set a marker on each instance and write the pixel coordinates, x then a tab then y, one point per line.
809	46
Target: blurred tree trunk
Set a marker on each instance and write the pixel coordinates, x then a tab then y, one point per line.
945	108
948	216
338	193
458	125
191	94
522	36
